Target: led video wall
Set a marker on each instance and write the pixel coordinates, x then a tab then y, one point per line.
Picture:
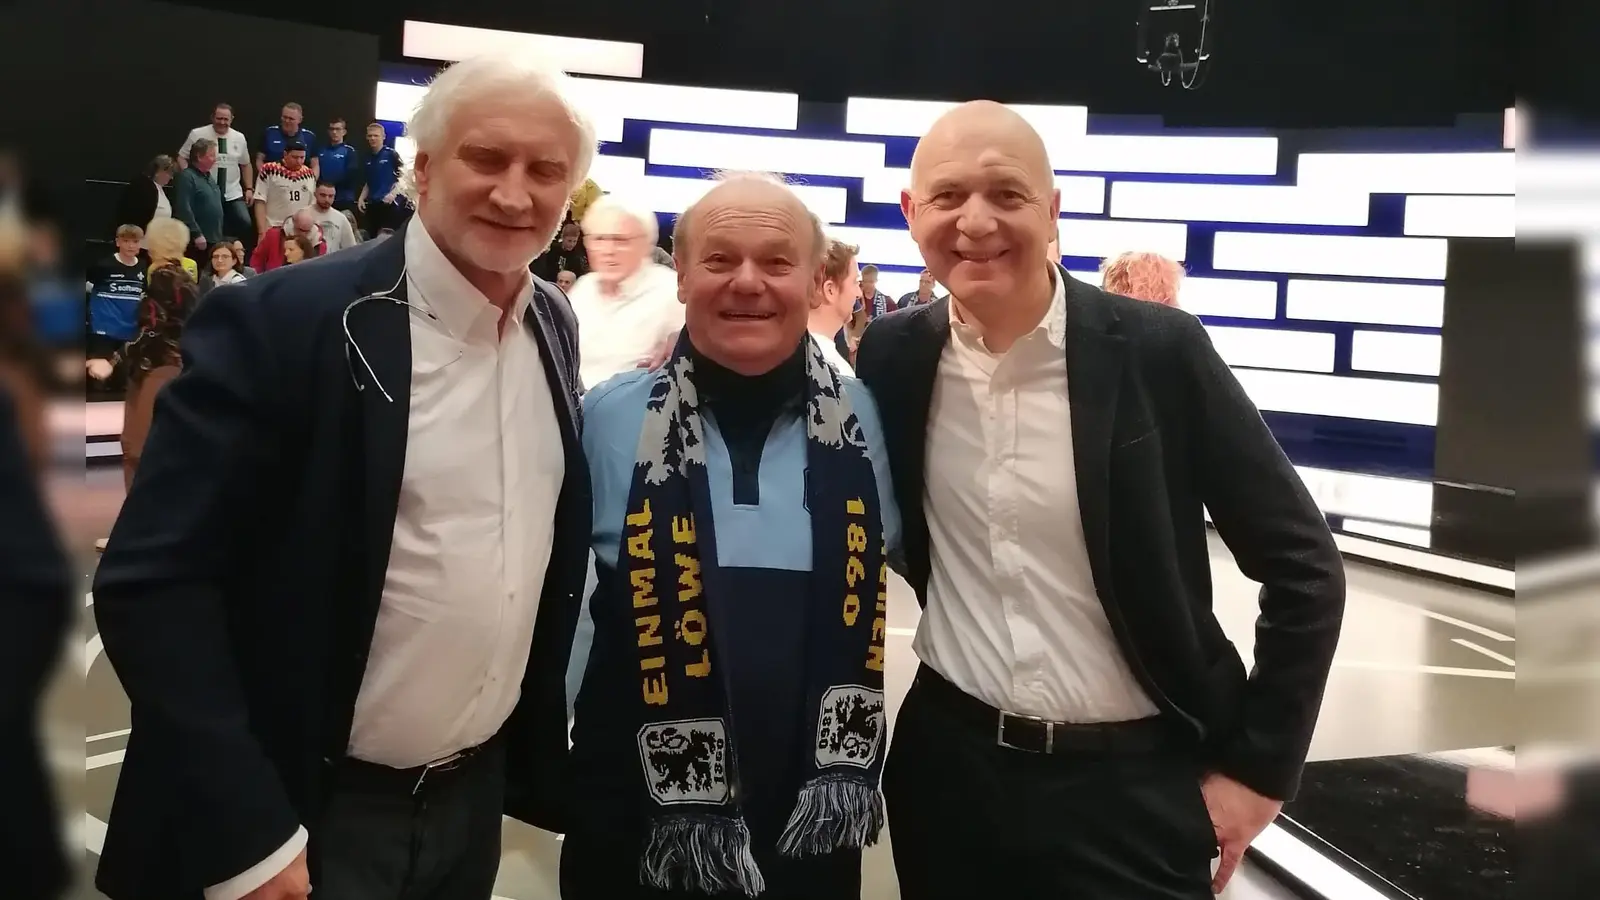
1316	259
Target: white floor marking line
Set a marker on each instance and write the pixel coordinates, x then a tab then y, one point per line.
1425	670
88	600
107	735
1489	633
101	760
1321	874
94	834
1497	657
91	652
903	632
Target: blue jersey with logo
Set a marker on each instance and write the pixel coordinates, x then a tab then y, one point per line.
272	143
336	165
763	545
383	173
114	305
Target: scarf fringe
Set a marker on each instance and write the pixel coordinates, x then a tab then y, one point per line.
833	812
707	854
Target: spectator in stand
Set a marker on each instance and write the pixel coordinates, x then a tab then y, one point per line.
232	173
240	257
1143	276
565	279
166	241
839	292
856	327
627	306
350	219
269	253
151	359
146	198
874	301
336	230
337	164
923	294
284	188
380	188
224	269
566	253
297	249
115	285
196	199
278	139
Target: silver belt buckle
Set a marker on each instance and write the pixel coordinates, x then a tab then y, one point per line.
1049	732
442	765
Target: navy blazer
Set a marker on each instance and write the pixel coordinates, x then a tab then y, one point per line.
238	594
35	585
1160	429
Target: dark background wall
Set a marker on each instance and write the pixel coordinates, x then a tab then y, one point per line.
142	73
1277	63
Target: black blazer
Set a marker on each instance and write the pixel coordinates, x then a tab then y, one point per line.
137	205
35	607
1160	429
238	594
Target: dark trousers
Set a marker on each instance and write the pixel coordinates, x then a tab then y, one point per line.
605	866
971	819
236	223
379	841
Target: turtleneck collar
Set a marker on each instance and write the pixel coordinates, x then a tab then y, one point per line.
767	392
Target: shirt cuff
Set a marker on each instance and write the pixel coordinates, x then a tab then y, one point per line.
262	872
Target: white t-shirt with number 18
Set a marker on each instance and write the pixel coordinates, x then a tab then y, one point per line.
285	192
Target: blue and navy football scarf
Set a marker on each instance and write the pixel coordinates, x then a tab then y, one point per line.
698	838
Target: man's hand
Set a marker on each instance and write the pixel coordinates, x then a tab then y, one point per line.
98	369
249	195
659	356
293	883
200	242
1238	815
361	204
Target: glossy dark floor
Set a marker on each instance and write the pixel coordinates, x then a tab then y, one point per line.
1406	819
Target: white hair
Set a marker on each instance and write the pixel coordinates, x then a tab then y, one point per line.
613	205
495	75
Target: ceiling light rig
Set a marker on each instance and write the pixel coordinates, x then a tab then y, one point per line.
1174	40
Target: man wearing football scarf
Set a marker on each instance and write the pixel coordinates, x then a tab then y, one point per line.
730	730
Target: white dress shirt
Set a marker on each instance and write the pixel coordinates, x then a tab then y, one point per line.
472	535
618	332
830	352
1012	615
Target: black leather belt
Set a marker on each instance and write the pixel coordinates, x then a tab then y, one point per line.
1032	734
358	774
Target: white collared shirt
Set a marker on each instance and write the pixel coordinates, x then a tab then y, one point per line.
618	332
1013	617
830	352
472	536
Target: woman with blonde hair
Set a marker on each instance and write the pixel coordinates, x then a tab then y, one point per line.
1143	276
152	357
166	240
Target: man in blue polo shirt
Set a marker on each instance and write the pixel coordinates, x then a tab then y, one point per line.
280	135
380	193
337	165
